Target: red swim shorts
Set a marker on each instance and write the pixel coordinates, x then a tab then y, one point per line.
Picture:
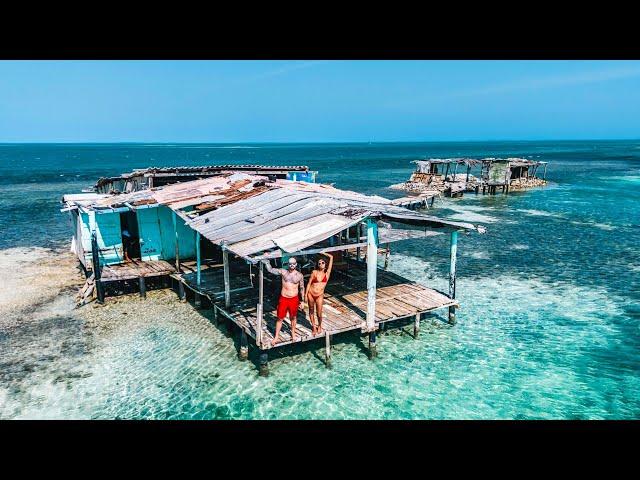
286	304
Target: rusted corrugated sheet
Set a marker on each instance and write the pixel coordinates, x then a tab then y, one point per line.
295	215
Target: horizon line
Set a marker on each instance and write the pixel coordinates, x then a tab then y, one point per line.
366	142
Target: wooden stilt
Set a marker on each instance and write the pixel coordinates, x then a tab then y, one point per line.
227	288
452	275
198	259
244	346
215	315
176	241
197	300
264	364
182	295
372	266
327	349
143	287
373	352
416	326
386	257
260	305
96	268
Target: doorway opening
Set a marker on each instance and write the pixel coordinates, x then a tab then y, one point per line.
130	235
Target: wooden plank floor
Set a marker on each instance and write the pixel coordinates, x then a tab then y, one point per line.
136	269
345	306
212	281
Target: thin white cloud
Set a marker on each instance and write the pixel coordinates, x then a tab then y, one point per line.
530	84
552	81
286	69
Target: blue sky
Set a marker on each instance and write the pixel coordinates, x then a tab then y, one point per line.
317	101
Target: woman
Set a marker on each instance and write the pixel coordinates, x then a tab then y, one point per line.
315	291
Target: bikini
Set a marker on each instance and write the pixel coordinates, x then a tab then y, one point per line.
314	280
324	280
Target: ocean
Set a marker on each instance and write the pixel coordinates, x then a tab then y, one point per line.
549	324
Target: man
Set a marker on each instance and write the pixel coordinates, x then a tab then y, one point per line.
292	286
126	244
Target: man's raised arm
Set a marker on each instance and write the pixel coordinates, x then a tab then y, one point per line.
270	269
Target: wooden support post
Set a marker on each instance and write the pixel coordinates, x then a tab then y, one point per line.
244	345
176	241
143	288
544	172
197	300
260	305
416	326
198	259
227	288
95	258
373	352
264	364
215	315
386	257
181	292
452	275
372	266
327	349
468	171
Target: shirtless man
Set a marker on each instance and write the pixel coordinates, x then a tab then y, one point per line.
292	285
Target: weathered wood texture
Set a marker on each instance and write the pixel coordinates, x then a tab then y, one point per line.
136	269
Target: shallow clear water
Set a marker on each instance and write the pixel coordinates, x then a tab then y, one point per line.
549	325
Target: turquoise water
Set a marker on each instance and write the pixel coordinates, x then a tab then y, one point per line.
549	325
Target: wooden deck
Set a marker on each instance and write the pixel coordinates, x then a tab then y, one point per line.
212	280
345	306
136	269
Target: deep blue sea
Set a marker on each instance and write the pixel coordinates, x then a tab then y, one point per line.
549	325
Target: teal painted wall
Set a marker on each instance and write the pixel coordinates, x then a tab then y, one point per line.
157	235
149	229
108	235
186	235
156	231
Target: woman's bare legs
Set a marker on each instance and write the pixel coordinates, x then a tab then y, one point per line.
311	303
319	305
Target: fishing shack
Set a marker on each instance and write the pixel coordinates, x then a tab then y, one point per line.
211	236
437	176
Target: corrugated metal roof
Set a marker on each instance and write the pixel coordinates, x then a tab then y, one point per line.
251	216
294	215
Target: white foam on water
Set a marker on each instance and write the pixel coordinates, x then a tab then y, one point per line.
539	213
601	226
478	254
470	213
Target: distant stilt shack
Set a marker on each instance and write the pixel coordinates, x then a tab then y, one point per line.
231	222
454	176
